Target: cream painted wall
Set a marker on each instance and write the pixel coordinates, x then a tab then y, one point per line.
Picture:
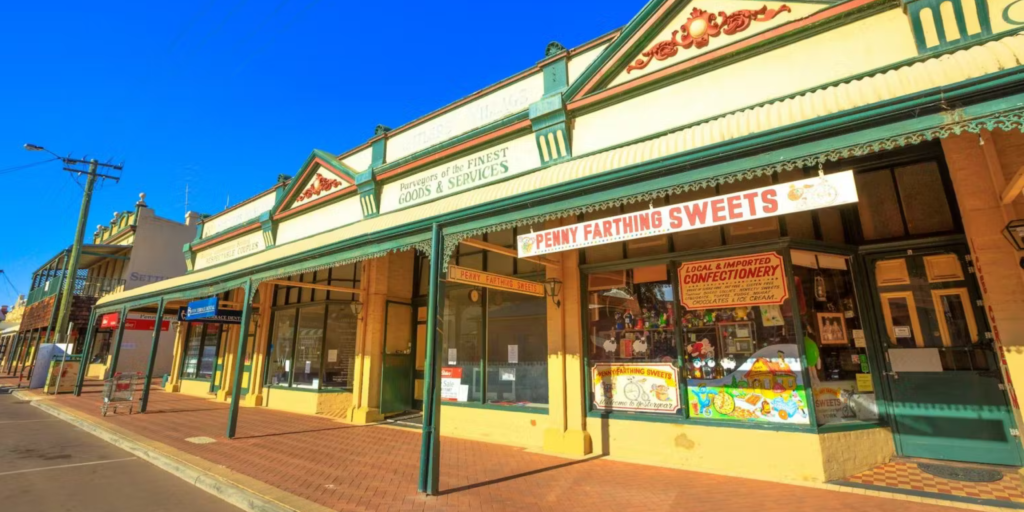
320	220
232	249
580	62
360	160
864	45
508	100
239	214
798	11
156	250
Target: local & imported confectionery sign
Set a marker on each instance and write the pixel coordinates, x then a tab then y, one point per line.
495	281
759	203
650	387
755	279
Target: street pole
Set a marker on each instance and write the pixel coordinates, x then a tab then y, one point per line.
71	277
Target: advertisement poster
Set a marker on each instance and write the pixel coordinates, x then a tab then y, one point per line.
767	388
797	196
651	387
68	377
451	380
832	401
755	279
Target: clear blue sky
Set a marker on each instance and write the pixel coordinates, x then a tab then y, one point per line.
224	95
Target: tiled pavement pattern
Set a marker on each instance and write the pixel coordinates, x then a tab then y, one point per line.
906	475
364	468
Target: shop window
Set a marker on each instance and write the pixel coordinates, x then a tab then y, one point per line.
924	198
495	347
879	212
632	351
201	350
517	349
308	347
834	341
738	330
340	347
281	341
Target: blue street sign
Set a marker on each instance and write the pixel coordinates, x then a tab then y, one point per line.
209	311
200	309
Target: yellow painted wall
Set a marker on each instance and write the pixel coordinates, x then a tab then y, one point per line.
195	388
510	428
335	405
752	453
98	370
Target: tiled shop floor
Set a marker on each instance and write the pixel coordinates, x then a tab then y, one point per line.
350	467
905	475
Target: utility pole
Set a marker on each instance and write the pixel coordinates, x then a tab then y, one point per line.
71	277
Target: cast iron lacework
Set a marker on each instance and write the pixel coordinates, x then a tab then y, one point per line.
956	123
700	28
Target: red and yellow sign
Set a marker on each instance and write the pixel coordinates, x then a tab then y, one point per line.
650	387
495	281
752	280
135	323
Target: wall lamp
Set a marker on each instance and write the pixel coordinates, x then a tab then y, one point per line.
552	287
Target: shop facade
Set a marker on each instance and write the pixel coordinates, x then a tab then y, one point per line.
674	245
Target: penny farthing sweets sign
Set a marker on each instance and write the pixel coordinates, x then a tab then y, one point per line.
759	203
650	387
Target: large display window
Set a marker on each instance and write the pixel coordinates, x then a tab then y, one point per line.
201	350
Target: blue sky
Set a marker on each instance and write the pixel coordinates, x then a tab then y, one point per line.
224	95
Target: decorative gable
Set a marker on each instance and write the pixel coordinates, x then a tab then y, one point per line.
673	35
321	179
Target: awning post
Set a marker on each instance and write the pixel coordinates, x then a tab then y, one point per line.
123	319
83	367
152	355
243	334
430	450
14	352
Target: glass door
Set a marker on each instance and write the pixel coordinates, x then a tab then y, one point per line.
946	390
397	372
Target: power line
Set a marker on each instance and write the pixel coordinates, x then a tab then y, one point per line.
9	283
25	166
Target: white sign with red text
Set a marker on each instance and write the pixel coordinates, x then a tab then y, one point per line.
759	203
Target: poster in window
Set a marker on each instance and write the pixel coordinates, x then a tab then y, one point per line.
650	387
451	380
751	280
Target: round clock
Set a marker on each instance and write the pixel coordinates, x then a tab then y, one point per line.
474	295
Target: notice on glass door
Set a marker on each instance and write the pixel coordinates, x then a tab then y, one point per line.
451	381
513	354
453	356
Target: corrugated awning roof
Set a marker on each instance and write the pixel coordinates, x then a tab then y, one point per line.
94	254
980	60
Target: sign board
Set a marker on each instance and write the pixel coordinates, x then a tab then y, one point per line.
469	172
650	387
785	198
832	401
451	379
199	309
68	373
494	281
137	322
222	316
755	279
239	214
230	250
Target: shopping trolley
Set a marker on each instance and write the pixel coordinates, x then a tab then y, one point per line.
119	391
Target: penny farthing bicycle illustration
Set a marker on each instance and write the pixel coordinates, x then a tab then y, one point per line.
634	390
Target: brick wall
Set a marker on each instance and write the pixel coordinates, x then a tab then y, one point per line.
37	316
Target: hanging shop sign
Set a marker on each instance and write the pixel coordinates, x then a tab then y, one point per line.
650	387
750	280
135	322
810	194
494	281
209	311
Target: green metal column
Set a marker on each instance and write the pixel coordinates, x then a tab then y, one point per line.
83	367
152	355
121	320
430	450
243	333
14	352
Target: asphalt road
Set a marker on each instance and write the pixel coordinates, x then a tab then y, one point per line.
49	465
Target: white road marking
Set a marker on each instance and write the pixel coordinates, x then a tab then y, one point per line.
66	466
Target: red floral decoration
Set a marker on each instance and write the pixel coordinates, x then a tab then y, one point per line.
318	186
700	28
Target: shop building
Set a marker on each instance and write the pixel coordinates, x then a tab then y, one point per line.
136	248
9	327
766	242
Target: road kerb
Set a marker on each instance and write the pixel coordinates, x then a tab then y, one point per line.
242	491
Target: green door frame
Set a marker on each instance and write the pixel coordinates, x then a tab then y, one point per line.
950	244
391	389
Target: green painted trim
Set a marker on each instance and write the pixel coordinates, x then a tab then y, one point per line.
311	390
502	408
678	419
853	426
932	495
476	133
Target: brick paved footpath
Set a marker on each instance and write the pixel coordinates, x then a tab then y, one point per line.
363	468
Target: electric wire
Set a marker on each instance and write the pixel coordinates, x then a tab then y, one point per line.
16	168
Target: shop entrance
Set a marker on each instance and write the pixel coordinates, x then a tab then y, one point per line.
397	374
946	391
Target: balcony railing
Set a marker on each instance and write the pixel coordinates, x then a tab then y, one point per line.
97	287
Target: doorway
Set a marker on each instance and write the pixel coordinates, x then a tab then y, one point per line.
399	354
945	388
